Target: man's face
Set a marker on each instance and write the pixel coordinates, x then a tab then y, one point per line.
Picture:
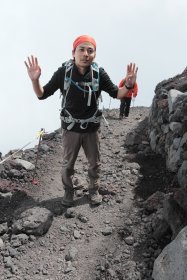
84	55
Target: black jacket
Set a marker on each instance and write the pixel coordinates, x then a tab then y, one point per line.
76	100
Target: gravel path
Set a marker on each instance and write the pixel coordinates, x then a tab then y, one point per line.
111	241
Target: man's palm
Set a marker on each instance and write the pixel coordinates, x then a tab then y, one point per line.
33	69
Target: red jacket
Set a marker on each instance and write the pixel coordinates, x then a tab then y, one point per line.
132	92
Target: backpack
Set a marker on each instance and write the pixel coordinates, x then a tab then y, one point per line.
93	86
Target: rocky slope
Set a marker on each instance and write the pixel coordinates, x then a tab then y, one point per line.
40	239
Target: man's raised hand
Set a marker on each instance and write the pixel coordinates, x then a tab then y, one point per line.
33	69
131	74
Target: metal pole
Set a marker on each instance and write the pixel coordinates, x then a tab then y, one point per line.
34	181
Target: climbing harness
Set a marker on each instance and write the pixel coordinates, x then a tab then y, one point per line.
83	122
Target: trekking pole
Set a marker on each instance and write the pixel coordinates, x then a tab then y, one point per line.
133	99
109	103
34	181
104	118
106	121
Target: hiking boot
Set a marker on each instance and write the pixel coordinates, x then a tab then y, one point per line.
67	200
95	197
120	117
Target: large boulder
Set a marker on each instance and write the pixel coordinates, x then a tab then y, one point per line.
35	221
171	264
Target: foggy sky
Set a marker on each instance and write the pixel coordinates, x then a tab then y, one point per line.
151	33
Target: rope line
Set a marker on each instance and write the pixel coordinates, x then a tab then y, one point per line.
39	135
16	152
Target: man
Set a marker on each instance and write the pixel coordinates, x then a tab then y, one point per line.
81	83
125	102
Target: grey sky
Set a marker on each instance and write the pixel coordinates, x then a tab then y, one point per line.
151	33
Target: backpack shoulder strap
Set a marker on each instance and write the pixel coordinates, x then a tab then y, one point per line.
68	73
67	79
95	76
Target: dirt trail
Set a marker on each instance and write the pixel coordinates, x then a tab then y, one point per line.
84	242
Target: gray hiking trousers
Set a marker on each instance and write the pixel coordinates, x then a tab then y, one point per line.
72	142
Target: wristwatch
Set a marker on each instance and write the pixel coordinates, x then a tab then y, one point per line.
128	87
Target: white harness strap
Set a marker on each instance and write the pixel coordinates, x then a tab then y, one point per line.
89	94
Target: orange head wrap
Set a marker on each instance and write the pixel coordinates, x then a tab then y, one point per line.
83	38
